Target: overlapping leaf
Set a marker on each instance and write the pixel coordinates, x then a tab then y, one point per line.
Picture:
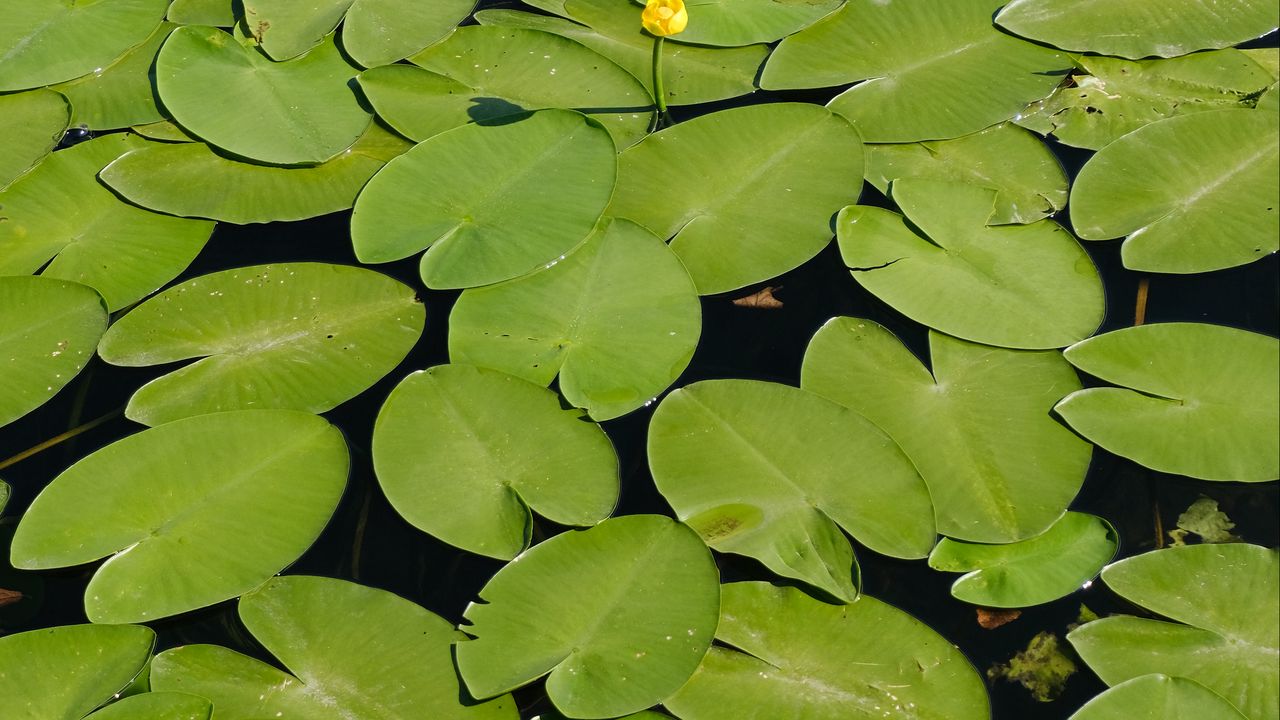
157	706
1158	697
31	124
379	32
63	673
219	13
120	94
743	22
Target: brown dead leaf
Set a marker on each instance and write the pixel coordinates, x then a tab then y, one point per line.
992	618
9	597
763	299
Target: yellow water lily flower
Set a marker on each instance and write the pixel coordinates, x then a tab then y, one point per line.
664	17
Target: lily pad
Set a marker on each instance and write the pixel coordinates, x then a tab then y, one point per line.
48	41
788	655
60	218
1139	28
164	130
380	32
1158	697
998	467
156	706
466	453
31	125
690	74
929	71
619	615
1197	399
4	495
1229	596
1017	286
1111	97
1192	193
48	332
583	317
1029	181
285	29
303	336
1038	570
743	22
298	112
489	202
746	194
353	651
120	94
195	180
63	673
257	488
218	13
774	473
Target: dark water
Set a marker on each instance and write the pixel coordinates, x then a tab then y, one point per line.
367	542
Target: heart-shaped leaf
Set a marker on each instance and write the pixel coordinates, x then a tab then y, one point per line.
31	124
583	318
380	32
286	29
303	336
619	615
157	706
1197	399
1158	697
256	489
63	673
773	472
120	94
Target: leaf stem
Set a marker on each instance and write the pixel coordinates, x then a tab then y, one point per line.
659	92
63	437
1140	305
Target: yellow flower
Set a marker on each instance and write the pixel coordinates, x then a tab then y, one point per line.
664	17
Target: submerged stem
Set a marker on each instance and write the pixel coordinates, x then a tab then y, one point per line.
63	437
1140	305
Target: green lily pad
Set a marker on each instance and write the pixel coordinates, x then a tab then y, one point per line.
302	336
484	73
194	180
734	23
774	473
1030	572
929	71
353	651
31	125
256	489
63	673
1270	100
285	29
298	112
466	453
4	495
746	194
48	332
583	318
60	218
48	41
164	130
218	13
1111	97
157	706
690	74
1229	598
619	615
503	199
1158	697
998	467
786	655
1017	286
380	32
1197	399
120	94
1192	193
1136	28
1029	181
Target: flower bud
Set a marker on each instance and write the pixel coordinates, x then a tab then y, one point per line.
664	17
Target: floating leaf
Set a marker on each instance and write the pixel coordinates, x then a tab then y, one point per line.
929	70
489	202
1193	193
48	41
773	472
256	489
1203	518
63	673
303	336
465	453
286	29
1198	400
60	218
31	124
48	332
1136	28
999	468
789	655
1158	697
1033	571
743	22
354	651
583	318
1112	97
1029	180
1043	669
747	193
157	706
297	112
690	74
120	94
1228	595
194	180
380	32
219	13
1017	286
619	615
4	495
165	130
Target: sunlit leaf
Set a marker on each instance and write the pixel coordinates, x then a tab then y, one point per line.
1158	697
157	706
120	94
219	13
379	32
286	29
31	124
742	22
62	673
